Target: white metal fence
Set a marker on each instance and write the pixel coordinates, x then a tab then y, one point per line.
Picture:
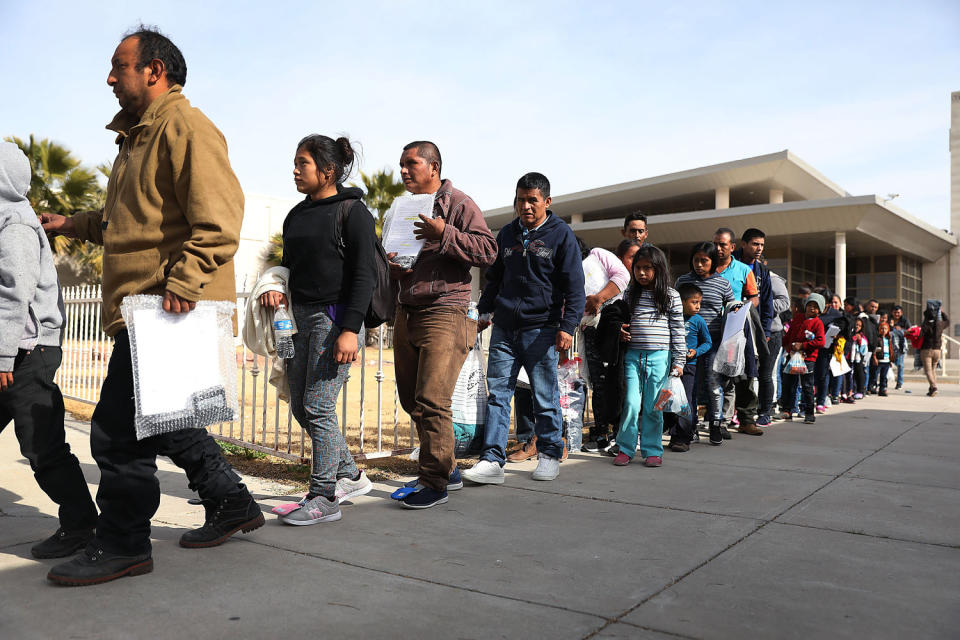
370	422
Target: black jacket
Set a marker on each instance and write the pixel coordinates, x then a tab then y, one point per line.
762	276
612	317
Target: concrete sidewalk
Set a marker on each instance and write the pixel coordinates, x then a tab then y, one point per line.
849	528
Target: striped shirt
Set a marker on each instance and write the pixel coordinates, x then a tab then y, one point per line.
717	292
654	332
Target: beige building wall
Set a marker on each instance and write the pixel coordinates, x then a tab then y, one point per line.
952	284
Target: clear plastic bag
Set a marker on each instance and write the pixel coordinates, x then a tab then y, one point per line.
673	397
730	358
795	364
573	391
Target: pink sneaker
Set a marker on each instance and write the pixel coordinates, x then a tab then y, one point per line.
621	460
653	461
821	409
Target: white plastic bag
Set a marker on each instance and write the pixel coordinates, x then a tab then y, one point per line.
673	397
795	364
469	403
572	396
730	360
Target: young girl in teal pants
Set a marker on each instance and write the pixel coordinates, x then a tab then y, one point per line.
657	348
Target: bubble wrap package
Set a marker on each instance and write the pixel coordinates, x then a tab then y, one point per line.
184	365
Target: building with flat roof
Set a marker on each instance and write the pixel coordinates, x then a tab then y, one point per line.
861	246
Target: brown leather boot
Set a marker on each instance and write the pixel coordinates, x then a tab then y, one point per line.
566	451
524	453
750	429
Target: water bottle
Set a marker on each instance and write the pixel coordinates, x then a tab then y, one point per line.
283	332
472	312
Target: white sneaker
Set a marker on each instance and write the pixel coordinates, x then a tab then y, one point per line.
547	468
485	472
347	488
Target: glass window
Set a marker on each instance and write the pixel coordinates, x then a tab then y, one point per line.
885	264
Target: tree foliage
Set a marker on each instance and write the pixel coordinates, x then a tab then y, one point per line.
381	189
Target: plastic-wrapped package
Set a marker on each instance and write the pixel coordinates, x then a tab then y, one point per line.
673	397
573	392
730	360
795	364
469	404
184	365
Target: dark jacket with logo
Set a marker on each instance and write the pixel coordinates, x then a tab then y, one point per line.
762	275
537	285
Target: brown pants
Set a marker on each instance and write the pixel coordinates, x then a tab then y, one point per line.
930	358
430	346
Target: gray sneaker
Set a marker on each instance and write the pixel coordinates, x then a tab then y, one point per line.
314	511
347	488
547	468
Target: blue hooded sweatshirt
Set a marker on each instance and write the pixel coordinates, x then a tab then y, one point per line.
535	281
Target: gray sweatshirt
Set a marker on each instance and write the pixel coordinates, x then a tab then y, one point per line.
31	307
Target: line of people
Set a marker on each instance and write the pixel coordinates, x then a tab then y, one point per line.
170	227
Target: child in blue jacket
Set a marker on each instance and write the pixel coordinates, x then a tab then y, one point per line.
682	428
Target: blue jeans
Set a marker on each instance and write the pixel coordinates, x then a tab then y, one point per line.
315	381
535	350
644	373
899	363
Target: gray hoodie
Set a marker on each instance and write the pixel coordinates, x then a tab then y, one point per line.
31	307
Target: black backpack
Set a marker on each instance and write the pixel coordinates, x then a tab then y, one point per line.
383	304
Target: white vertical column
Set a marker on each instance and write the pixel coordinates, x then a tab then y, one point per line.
840	264
721	198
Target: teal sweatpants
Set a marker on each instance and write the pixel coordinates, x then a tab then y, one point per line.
644	373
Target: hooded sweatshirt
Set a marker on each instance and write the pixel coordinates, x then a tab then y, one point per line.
31	308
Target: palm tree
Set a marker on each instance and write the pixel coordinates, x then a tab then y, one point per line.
381	190
60	184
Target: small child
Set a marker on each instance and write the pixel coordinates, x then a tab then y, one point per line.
657	349
883	355
683	427
805	336
858	359
31	325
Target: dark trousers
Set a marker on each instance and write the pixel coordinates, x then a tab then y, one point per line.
883	370
607	398
821	376
682	427
790	381
766	373
35	406
859	378
129	491
872	371
523	410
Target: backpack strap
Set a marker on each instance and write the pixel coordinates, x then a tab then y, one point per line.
343	209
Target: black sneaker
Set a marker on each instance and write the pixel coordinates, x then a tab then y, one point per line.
724	433
424	499
94	565
810	418
237	512
596	446
62	544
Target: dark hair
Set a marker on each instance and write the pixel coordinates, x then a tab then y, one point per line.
727	231
708	248
752	233
661	279
853	302
584	248
625	245
326	151
428	151
873	300
534	180
895	308
153	45
687	290
636	215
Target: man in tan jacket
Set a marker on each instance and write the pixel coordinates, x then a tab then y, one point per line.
170	227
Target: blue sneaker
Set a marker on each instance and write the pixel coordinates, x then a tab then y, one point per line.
454	483
424	498
763	420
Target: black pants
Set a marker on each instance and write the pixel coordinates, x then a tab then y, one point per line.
766	373
129	491
806	394
607	397
523	409
682	427
35	405
859	378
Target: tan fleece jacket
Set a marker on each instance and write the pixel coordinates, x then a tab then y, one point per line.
173	210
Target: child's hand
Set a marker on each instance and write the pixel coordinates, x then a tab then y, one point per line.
625	332
6	380
691	354
797	346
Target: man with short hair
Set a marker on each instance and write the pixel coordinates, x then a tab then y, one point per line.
170	227
739	396
535	291
872	309
898	326
432	333
635	227
749	253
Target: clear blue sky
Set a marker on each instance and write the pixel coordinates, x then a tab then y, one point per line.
589	93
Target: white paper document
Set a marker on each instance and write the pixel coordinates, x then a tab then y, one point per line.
828	337
177	356
404	213
839	367
735	321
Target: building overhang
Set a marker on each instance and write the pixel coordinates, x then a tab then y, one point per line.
873	226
